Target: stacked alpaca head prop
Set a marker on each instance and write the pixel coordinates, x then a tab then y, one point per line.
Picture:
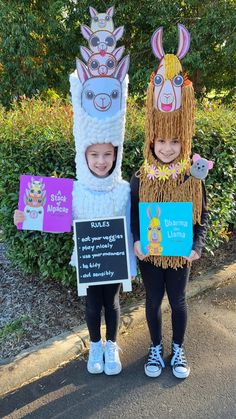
99	91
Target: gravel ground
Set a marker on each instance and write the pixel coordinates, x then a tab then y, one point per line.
32	311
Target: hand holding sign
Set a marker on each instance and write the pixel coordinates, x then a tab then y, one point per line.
138	252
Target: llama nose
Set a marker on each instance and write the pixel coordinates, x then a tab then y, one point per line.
102	70
102	46
154	235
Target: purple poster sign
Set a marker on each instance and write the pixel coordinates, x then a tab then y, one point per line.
46	203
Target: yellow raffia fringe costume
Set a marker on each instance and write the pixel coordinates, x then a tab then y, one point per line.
181	188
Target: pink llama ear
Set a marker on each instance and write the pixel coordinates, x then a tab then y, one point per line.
210	164
156	43
184	41
196	157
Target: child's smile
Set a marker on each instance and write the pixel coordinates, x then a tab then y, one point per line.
100	159
167	150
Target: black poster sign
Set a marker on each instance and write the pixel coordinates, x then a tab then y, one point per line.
102	253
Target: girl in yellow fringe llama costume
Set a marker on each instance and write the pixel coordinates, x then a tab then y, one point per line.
169	120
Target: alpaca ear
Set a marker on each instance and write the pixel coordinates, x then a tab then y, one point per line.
86	31
93	12
122	68
118	52
118	32
86	53
110	11
82	71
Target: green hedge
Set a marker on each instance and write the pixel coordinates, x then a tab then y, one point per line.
36	138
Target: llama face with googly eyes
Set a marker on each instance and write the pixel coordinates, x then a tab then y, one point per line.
168	80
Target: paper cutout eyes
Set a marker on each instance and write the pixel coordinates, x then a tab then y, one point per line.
200	167
102	20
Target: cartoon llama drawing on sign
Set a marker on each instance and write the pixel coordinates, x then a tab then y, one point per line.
154	233
34	199
168	79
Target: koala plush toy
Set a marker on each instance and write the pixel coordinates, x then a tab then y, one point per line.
200	167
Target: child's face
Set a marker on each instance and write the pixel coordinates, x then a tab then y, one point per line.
167	150
100	159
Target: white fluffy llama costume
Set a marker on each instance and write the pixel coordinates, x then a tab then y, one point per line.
99	95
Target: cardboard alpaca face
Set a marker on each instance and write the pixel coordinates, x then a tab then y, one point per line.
102	41
102	96
168	79
102	21
101	64
200	167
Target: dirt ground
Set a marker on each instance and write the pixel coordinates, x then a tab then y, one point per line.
32	311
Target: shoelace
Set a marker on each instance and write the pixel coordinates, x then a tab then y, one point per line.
179	357
111	349
155	356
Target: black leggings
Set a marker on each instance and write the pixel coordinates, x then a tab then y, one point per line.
156	281
106	296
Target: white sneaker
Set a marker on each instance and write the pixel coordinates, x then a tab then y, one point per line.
179	363
95	364
155	363
112	360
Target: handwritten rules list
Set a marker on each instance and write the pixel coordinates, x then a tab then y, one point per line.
102	255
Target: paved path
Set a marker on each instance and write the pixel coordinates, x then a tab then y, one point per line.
209	392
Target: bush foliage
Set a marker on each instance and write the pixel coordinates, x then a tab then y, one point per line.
40	40
36	138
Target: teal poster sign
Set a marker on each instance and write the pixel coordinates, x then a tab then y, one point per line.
166	228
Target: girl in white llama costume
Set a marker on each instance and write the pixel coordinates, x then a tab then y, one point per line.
99	105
